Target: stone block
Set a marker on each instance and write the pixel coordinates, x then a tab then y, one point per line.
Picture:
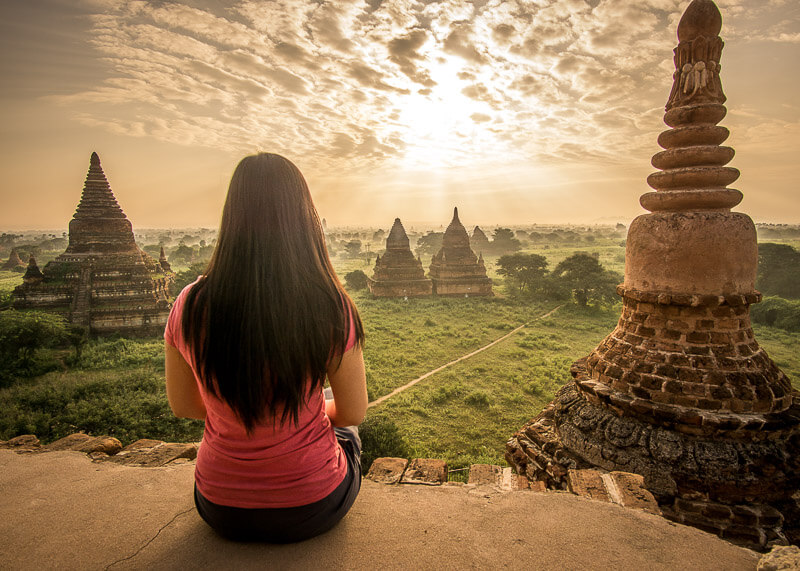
538	486
427	471
159	455
781	558
71	442
485	474
627	489
21	442
387	470
588	483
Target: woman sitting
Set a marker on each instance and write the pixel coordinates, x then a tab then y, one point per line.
248	348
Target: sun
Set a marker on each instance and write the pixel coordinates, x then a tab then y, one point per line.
439	122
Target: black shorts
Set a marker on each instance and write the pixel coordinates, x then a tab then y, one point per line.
287	525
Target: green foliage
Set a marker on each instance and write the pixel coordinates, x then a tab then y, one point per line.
353	248
183	255
122	353
526	272
22	335
778	270
429	244
187	276
355	280
777	312
503	241
127	406
380	438
585	278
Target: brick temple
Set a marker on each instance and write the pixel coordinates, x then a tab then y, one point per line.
103	281
681	392
478	241
398	273
14	261
455	269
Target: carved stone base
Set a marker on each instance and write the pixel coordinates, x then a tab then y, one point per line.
735	485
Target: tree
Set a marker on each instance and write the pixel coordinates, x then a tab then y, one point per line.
503	240
187	276
353	248
778	270
355	280
183	255
22	334
525	271
585	279
430	243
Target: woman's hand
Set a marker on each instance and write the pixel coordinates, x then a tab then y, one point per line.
182	391
349	385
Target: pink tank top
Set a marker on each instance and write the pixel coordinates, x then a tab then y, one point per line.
274	467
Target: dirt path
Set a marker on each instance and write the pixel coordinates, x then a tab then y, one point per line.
467	356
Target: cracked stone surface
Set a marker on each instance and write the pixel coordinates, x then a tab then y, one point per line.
64	511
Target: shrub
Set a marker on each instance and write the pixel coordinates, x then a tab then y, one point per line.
478	399
777	312
380	437
355	280
22	335
127	406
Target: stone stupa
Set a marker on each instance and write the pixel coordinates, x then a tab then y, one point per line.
455	269
479	242
14	261
681	392
103	281
398	273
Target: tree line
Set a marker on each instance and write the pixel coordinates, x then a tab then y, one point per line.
580	277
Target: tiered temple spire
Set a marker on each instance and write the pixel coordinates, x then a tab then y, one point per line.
102	281
455	269
398	273
681	392
14	261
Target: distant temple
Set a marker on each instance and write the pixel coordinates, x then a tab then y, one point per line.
479	242
103	281
398	273
455	270
14	261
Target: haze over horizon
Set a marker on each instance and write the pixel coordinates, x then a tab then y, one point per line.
544	111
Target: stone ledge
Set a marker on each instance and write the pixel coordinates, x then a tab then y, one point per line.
144	453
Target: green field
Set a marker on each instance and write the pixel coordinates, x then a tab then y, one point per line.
463	414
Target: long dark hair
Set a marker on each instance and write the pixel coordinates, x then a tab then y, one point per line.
269	313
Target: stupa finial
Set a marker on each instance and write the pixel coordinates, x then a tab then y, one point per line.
693	173
701	18
94	160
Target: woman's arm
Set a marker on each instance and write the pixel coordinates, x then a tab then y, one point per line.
349	385
182	392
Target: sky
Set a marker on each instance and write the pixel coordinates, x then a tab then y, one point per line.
518	112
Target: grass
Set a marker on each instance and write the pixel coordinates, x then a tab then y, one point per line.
782	347
9	280
463	414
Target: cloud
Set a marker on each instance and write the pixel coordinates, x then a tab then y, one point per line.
404	51
459	42
357	85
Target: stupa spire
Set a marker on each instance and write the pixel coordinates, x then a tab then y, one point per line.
162	260
693	173
33	274
97	199
681	392
99	226
397	239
